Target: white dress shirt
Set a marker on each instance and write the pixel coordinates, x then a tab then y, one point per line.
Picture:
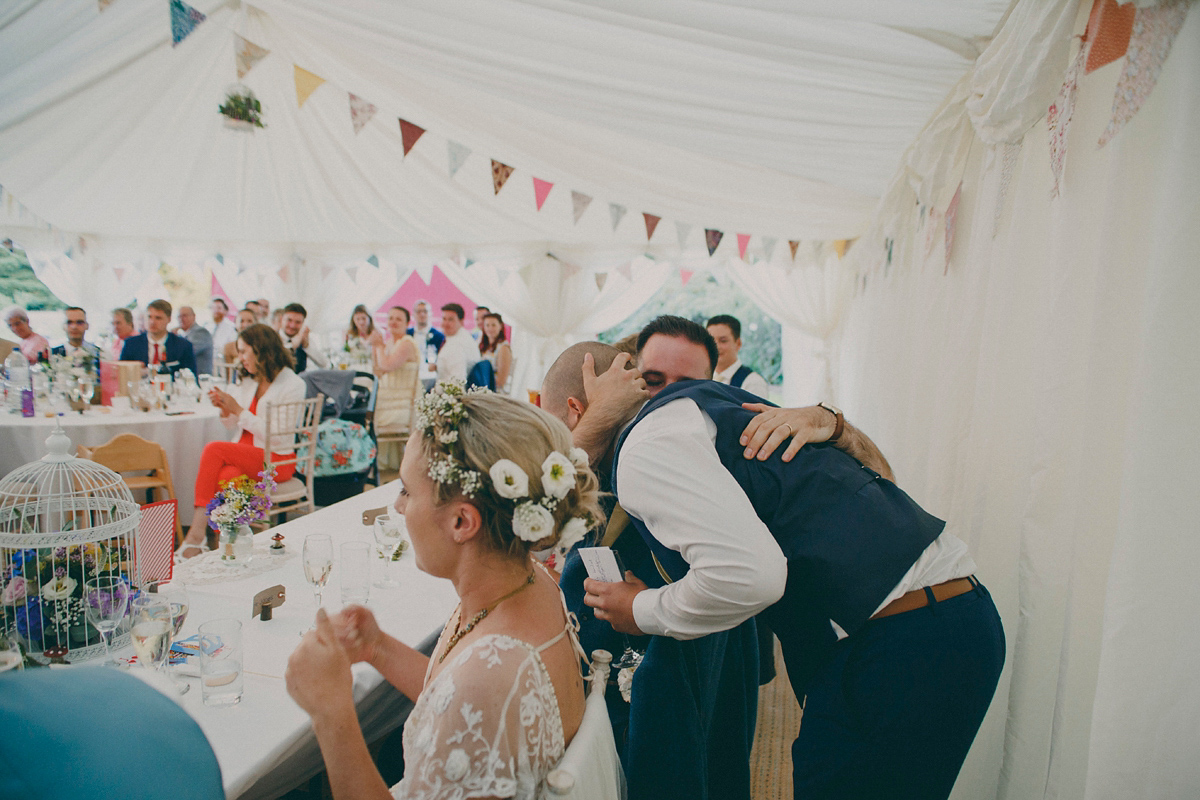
754	383
315	356
223	333
670	477
457	356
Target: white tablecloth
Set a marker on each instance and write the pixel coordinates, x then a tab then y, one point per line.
265	744
23	440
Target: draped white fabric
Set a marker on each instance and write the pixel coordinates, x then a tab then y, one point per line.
553	301
98	281
1040	394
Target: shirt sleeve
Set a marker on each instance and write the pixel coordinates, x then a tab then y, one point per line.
670	477
452	361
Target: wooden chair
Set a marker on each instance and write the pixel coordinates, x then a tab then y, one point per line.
398	434
128	452
295	425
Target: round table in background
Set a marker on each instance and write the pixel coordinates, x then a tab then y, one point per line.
182	435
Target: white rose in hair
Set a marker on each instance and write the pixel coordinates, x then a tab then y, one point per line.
579	457
574	531
509	479
558	475
532	522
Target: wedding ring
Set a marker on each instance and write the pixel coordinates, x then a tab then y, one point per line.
789	427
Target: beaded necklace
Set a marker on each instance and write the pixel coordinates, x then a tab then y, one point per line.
475	620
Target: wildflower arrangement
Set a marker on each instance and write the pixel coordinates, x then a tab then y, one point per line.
241	501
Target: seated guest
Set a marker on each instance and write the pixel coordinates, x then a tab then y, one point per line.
458	353
277	319
294	333
33	346
264	309
267	378
200	339
245	318
222	329
429	341
157	348
396	364
358	334
502	695
122	328
727	331
256	308
480	313
494	347
76	326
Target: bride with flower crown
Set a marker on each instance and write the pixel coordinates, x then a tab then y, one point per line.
487	480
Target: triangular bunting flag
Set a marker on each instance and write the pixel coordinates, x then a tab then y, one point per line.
1058	120
119	272
541	189
626	271
686	275
793	244
951	219
768	243
306	84
743	242
103	4
712	239
360	111
616	212
500	175
373	260
220	258
1108	30
683	231
1154	30
601	279
457	154
246	54
570	270
467	264
651	223
579	202
284	273
184	20
840	245
409	134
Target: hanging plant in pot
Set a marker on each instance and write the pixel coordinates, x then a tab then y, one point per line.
241	109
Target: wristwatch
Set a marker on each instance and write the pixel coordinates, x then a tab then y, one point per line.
840	423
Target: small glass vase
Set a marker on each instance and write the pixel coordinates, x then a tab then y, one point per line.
236	545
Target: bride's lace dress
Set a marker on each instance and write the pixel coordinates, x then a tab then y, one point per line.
487	725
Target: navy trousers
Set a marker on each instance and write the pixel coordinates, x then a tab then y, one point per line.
893	713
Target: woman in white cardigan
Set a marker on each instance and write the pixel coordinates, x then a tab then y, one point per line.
267	378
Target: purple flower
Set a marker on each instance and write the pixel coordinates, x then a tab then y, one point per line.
60	572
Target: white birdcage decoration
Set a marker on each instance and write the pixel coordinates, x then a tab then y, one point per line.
63	520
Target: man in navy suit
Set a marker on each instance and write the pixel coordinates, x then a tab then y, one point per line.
156	348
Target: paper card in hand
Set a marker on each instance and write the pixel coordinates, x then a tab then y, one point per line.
602	564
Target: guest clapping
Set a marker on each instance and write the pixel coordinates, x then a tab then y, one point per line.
494	347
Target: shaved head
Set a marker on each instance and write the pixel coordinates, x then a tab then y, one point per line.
565	376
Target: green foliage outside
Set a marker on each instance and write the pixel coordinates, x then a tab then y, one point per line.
706	296
20	287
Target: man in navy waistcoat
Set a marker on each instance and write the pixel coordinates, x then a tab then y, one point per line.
892	643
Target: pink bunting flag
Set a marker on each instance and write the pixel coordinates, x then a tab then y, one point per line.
1058	119
500	175
712	238
541	189
409	134
579	202
743	242
360	111
119	272
685	275
284	273
1154	31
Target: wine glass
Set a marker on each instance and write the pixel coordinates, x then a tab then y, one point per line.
389	543
318	564
105	601
150	630
176	596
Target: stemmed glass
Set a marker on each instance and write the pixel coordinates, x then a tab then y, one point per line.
105	601
390	542
318	564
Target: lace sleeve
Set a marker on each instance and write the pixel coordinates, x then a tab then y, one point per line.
488	725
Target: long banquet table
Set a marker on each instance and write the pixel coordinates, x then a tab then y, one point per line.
265	744
182	435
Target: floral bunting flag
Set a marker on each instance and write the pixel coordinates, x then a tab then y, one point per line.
541	190
1058	119
500	175
246	54
1154	30
601	279
409	134
682	232
768	244
951	221
616	213
651	223
306	84
579	202
457	154
793	244
361	111
712	238
184	20
685	275
1108	31
743	243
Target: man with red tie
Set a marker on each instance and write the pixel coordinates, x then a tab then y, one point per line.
156	348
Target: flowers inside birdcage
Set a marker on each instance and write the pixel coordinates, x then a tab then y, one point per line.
241	501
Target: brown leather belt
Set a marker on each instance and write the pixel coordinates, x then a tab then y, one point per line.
919	598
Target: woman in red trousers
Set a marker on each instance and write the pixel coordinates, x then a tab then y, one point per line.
267	377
